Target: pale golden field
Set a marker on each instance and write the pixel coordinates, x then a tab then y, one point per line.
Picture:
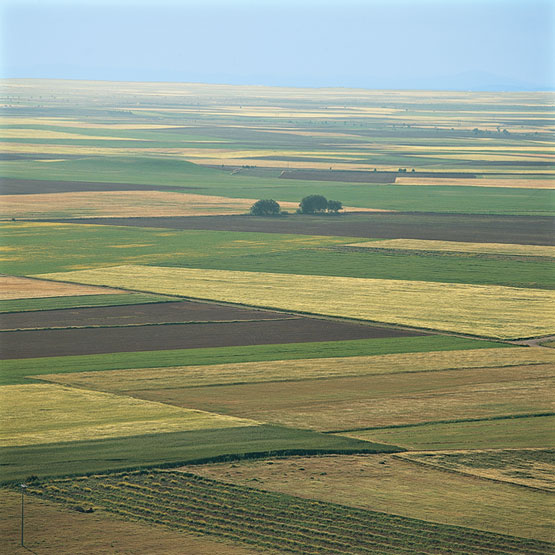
122	204
479	182
121	381
455	246
361	402
47	413
12	287
485	310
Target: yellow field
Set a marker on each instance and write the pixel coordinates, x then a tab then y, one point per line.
121	381
455	246
479	182
44	134
12	287
46	413
122	204
487	310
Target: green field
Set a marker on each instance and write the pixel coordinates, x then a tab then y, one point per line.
171	449
514	433
15	371
79	301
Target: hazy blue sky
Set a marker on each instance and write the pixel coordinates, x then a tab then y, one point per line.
468	44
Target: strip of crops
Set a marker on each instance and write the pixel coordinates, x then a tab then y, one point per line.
272	520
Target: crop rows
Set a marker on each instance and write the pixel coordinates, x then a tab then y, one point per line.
272	520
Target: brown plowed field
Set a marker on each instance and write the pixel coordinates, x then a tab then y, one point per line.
9	186
473	228
155	313
45	343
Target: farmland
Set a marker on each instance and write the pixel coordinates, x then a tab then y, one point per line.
374	381
461	308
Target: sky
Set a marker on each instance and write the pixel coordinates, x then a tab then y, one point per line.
383	44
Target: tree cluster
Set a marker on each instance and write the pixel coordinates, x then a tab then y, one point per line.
312	204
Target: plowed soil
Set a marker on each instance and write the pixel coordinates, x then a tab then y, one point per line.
474	228
45	343
155	313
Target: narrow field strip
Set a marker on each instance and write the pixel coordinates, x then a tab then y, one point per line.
519	433
80	301
491	311
20	288
455	246
302	369
272	520
44	413
122	204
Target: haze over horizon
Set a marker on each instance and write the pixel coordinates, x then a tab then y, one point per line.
401	44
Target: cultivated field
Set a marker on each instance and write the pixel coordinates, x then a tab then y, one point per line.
455	246
40	413
478	310
12	287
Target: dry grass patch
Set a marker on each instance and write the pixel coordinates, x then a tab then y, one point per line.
479	182
373	401
46	413
12	287
455	246
54	529
529	467
384	483
486	310
122	204
120	381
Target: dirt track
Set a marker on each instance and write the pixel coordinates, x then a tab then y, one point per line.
474	228
46	343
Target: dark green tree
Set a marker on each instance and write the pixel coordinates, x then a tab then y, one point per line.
334	206
265	207
313	203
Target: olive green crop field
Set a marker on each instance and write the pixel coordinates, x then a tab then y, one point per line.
377	380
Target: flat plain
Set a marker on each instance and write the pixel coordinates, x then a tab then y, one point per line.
327	432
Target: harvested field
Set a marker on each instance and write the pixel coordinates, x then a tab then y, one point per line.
479	182
491	311
355	403
456	246
151	313
11	186
122	381
529	230
100	533
121	204
270	520
530	467
12	287
385	483
513	433
87	341
46	413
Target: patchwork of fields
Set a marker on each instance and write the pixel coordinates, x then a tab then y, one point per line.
206	381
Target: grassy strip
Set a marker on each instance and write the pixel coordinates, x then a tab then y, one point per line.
534	432
273	520
80	301
172	449
16	371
